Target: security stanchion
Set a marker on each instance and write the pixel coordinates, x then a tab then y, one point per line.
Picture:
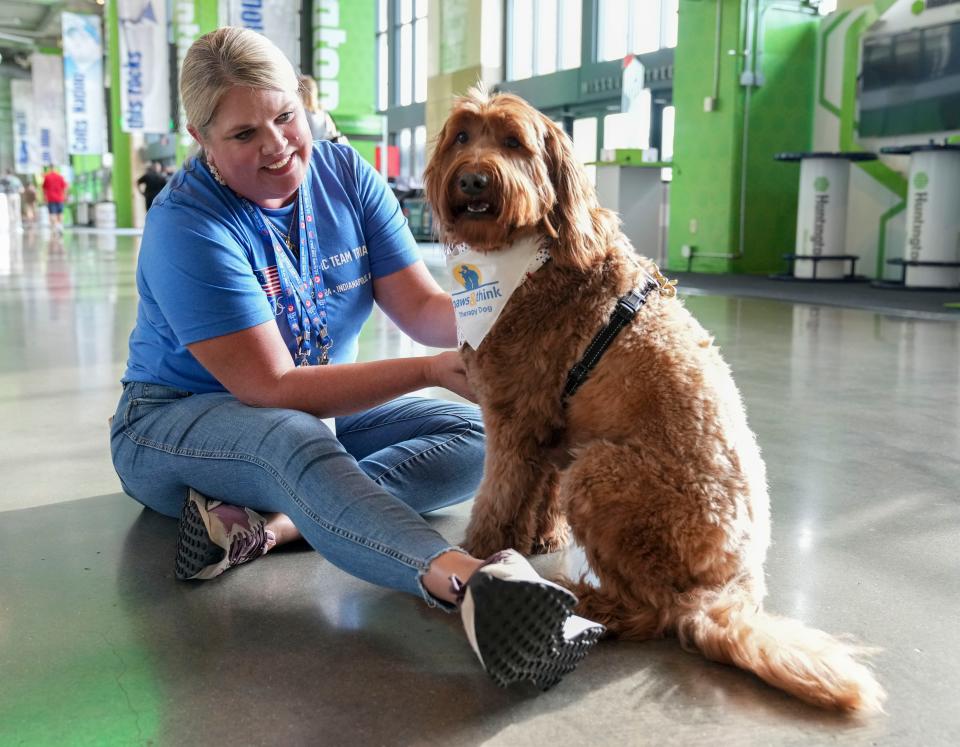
931	254
820	250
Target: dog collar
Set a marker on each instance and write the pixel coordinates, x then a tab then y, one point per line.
484	281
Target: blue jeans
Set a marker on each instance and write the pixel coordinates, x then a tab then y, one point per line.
357	497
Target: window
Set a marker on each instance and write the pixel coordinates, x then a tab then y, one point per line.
405	143
419	152
402	37
383	57
669	118
636	27
412	146
406	65
826	7
668	124
420	54
543	36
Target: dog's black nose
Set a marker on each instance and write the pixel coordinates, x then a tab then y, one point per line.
473	184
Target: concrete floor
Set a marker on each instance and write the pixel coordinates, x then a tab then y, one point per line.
859	418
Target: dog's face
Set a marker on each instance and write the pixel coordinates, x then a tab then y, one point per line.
500	168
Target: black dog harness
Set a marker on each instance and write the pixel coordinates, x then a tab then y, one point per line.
623	313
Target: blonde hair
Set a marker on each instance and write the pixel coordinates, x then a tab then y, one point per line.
309	93
228	57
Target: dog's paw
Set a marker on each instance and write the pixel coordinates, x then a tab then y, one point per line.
550	543
554	535
483	544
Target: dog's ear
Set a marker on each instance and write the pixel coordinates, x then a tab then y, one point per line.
577	221
433	185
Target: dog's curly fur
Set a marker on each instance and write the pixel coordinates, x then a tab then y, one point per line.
651	461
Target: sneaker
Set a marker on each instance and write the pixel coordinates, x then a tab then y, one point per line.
520	625
214	536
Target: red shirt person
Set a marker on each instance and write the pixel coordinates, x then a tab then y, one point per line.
55	193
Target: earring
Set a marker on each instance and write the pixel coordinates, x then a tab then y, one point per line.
216	174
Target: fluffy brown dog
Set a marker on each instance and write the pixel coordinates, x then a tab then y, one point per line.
651	461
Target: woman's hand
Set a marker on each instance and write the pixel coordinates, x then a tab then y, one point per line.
447	370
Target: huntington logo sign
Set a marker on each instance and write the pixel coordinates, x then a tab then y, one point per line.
821	184
920	199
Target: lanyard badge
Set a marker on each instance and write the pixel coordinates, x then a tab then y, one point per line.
308	318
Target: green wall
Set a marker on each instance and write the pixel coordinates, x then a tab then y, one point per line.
704	192
781	119
708	146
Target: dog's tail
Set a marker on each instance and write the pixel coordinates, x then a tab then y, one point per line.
726	626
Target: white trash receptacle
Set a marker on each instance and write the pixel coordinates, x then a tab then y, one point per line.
82	214
933	217
822	214
4	213
105	215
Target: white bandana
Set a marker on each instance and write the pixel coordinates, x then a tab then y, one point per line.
483	283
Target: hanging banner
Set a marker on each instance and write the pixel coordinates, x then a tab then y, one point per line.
25	156
342	50
83	83
278	20
144	66
48	110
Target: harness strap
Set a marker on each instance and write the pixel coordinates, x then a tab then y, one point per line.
623	313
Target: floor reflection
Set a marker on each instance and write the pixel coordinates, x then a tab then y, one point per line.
858	417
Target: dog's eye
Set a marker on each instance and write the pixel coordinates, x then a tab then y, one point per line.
462	137
511	142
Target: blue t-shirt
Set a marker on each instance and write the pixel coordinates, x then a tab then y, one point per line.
204	270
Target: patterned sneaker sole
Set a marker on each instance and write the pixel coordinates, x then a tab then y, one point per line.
195	550
519	631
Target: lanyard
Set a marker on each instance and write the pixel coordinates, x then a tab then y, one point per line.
308	318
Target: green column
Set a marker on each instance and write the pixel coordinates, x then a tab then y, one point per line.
706	194
119	140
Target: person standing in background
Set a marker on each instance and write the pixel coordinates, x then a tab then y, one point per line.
322	126
55	194
29	202
10	183
152	182
12	187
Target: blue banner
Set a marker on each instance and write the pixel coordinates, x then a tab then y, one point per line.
83	83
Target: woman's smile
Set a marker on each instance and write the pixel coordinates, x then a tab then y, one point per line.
283	162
